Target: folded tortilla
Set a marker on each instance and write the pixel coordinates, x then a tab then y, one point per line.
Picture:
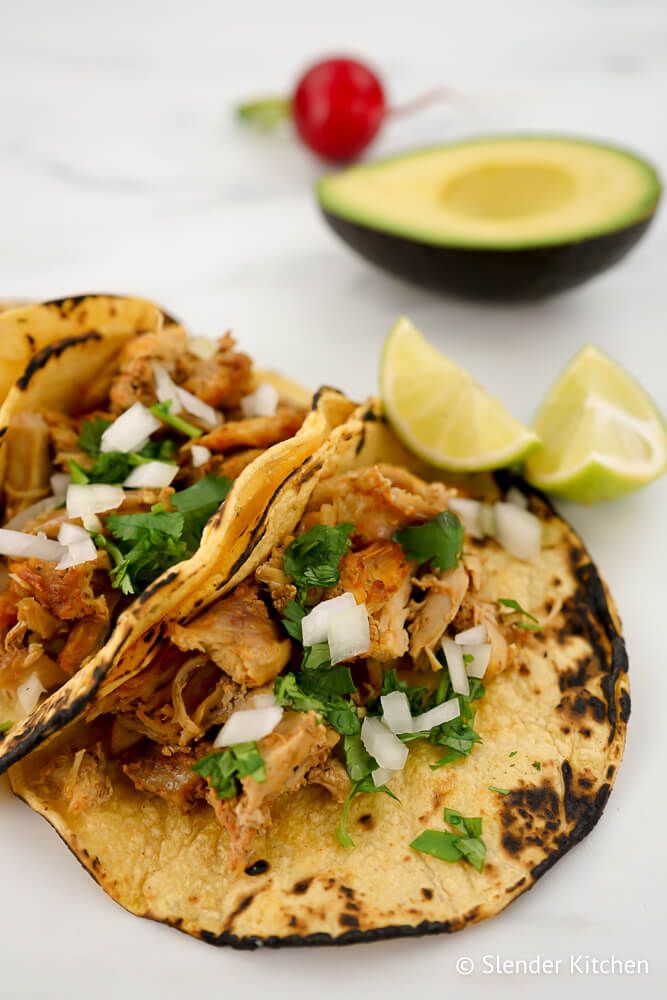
552	724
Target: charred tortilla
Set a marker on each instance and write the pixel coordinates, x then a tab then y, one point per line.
72	371
552	725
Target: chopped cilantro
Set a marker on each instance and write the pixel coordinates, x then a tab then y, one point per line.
366	786
466	843
4	726
316	656
417	696
90	435
321	691
151	542
537	765
533	623
438	542
513	753
501	791
468	658
294	612
163	412
224	769
312	559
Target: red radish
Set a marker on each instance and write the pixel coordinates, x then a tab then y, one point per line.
338	107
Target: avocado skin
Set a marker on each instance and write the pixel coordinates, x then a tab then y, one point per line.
494	275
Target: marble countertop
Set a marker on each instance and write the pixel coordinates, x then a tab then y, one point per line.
122	169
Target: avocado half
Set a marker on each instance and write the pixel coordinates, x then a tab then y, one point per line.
510	217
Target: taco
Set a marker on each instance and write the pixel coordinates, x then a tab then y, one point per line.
405	705
120	436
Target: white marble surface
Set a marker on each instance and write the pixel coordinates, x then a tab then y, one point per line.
121	169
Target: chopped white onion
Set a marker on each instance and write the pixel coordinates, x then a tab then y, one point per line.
20	543
91	522
202	347
34	510
248	725
487	520
349	634
315	625
445	712
381	743
70	533
200	455
92	498
59	483
381	775
469	512
479	633
198	408
77	553
515	496
130	430
165	388
518	531
264	700
152	475
263	402
29	692
456	667
396	713
481	654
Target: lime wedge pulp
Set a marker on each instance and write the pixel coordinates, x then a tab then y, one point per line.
440	413
602	435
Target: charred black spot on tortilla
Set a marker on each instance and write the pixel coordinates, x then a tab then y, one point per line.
597	707
624	705
517	885
257	867
159	584
42	358
577	676
240	907
565	730
610	772
299	888
524	670
361	442
584	782
96	862
320	392
366	820
347	891
3	431
585	732
292	922
348	920
556	581
427	893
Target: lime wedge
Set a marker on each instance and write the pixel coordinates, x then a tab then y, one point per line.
439	413
603	437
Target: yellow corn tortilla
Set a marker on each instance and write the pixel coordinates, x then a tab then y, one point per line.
562	707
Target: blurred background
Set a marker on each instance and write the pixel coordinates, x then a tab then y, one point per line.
122	168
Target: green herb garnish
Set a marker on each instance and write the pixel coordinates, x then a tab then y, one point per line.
438	542
533	623
4	726
163	412
513	753
90	435
224	769
501	791
114	466
536	764
466	843
312	559
294	612
151	542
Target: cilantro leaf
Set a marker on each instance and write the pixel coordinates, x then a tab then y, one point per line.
294	612
224	769
90	435
438	542
4	726
501	791
197	504
163	412
316	656
466	842
152	544
533	623
316	690
417	696
537	765
312	559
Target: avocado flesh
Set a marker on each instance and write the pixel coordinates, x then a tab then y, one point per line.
508	193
